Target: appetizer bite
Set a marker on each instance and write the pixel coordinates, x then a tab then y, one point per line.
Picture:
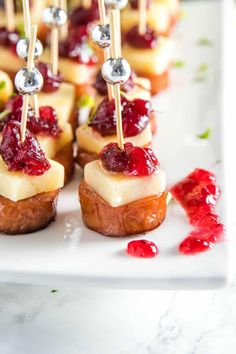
30	183
158	17
77	61
123	193
148	53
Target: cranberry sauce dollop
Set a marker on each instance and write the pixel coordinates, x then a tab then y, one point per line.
134	4
198	194
45	124
135	117
77	48
101	85
27	157
131	161
51	82
9	39
142	249
82	16
137	40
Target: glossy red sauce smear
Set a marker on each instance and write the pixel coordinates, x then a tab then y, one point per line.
82	16
142	249
26	156
198	194
131	161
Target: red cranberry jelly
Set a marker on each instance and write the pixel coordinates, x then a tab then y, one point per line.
135	117
131	161
142	249
27	156
134	4
77	48
51	82
197	194
9	38
45	124
82	16
101	85
137	40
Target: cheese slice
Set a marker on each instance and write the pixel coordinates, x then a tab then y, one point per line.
9	61
141	89
157	18
93	142
151	61
117	189
76	73
51	146
62	100
18	185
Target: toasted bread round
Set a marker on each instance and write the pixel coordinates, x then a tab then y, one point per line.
27	215
65	158
129	219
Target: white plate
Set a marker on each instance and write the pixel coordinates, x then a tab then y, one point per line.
68	252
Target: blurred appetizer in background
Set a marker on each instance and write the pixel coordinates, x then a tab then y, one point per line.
30	183
6	88
148	53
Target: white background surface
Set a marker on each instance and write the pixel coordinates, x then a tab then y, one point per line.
90	321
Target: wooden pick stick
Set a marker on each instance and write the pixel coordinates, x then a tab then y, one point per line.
115	55
102	12
54	45
142	16
10	15
30	66
27	20
64	29
106	51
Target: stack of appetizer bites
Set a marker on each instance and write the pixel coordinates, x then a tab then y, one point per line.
29	181
123	192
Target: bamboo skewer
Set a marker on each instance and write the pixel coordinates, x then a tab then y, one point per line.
142	16
115	55
54	45
27	20
30	66
10	15
27	27
106	51
64	29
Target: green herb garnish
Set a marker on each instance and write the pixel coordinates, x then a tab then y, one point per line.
204	42
218	161
54	291
178	64
21	29
202	69
2	84
206	134
85	101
